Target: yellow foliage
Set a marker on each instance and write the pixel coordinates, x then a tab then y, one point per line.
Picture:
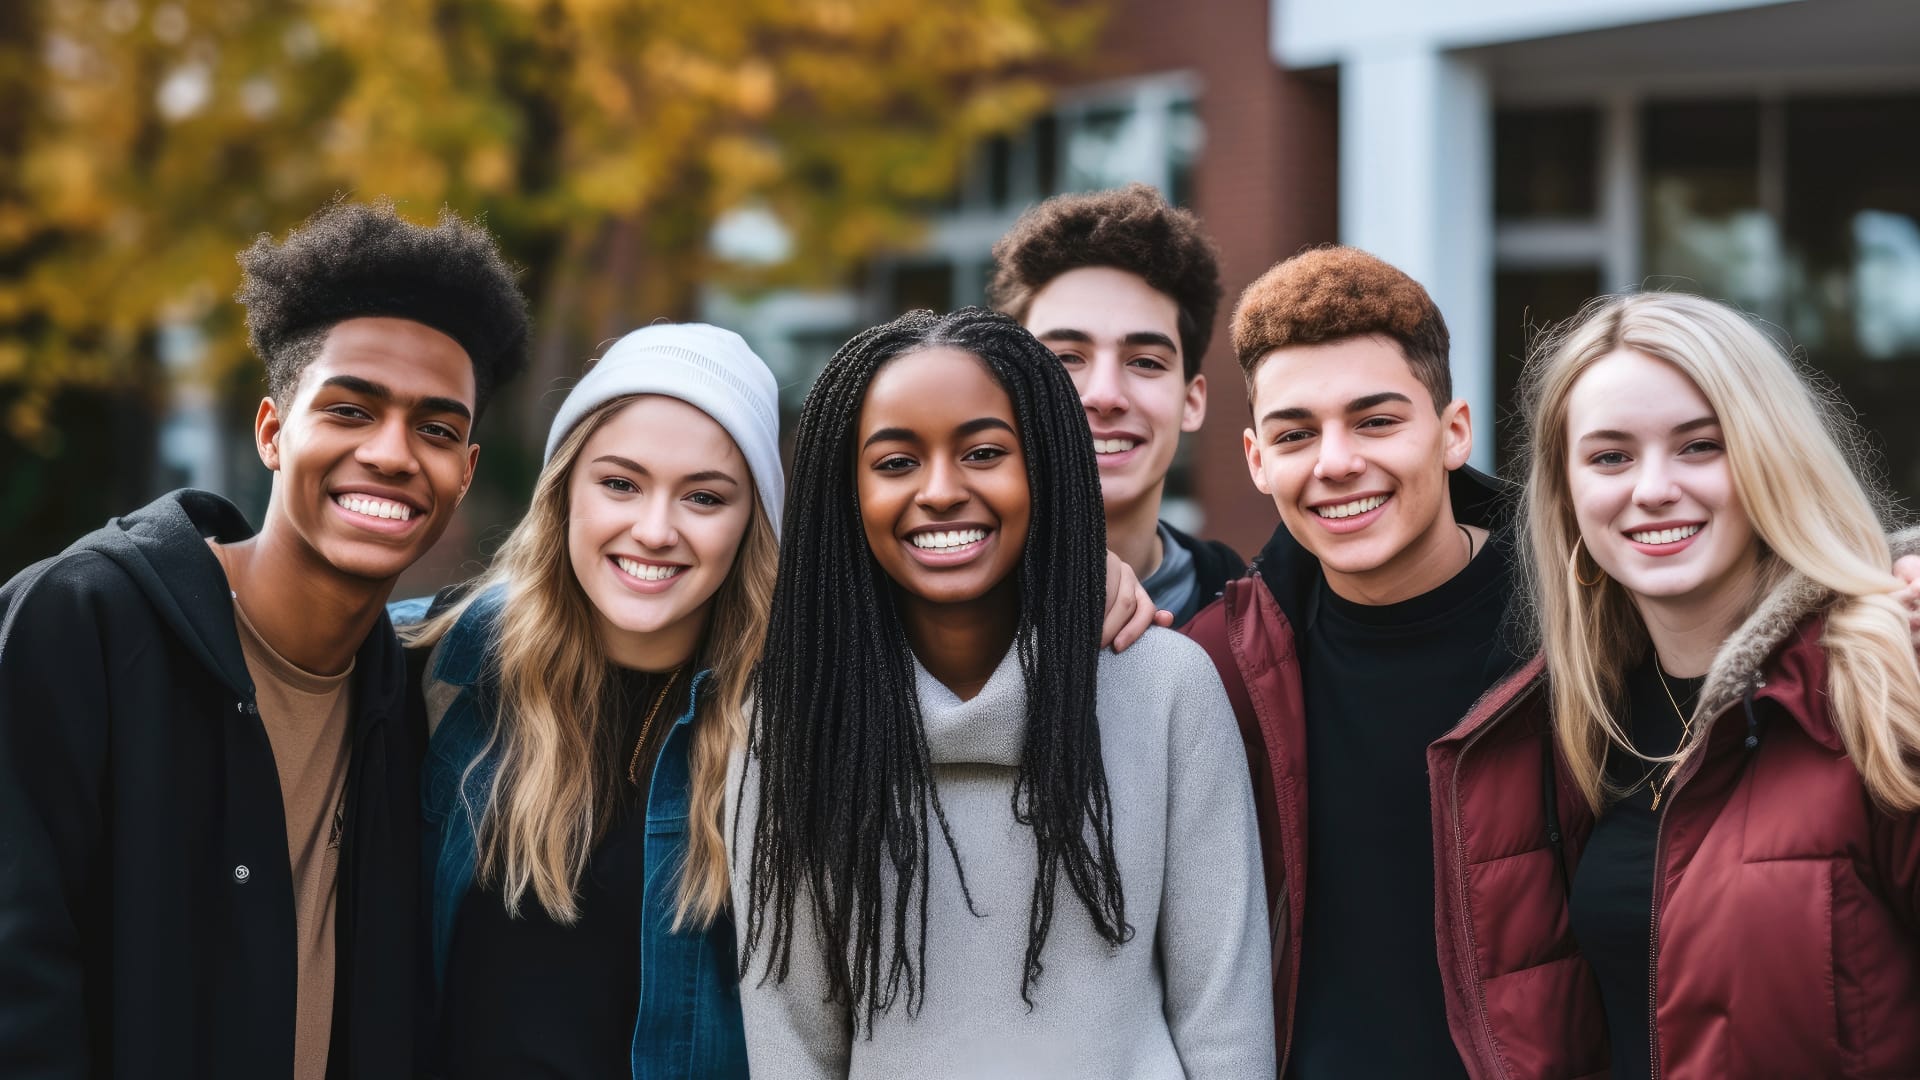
159	139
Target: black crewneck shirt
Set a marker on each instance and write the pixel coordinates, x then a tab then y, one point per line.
528	998
1612	903
1381	683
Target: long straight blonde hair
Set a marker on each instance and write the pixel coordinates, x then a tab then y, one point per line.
1788	444
551	798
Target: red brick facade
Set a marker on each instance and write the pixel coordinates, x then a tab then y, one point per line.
1266	186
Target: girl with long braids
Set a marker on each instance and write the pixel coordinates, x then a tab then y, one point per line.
967	842
583	698
584	695
1685	841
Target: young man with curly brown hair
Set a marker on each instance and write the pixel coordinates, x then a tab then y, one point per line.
209	794
1123	288
1376	618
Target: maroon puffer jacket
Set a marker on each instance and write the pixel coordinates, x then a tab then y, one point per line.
1786	911
1252	646
1248	633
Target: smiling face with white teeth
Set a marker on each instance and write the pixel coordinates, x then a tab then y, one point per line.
942	480
1120	341
658	501
371	455
1652	490
1349	444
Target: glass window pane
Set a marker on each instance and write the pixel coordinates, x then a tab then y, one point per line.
1186	137
921	285
1853	224
1853	240
1526	302
1546	163
999	171
1108	146
1706	231
1046	154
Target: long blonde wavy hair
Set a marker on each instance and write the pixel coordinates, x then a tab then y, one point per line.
551	796
1789	445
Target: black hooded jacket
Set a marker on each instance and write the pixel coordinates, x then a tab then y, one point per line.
146	893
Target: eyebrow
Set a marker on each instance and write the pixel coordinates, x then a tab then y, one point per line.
1138	337
971	427
701	477
626	463
368	388
1359	404
1694	424
984	423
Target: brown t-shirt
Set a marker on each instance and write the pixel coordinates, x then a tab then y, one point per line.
306	717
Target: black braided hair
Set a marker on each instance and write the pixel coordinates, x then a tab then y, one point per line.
845	780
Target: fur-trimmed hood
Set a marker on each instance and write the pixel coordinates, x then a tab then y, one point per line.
1736	668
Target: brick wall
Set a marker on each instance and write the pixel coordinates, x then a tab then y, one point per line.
1266	185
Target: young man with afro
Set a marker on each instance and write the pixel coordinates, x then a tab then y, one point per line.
208	784
1376	619
1124	287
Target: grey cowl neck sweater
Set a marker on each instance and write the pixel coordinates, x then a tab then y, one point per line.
986	729
1188	996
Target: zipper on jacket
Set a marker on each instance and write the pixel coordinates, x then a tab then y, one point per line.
1459	845
1653	940
1280	917
1687	770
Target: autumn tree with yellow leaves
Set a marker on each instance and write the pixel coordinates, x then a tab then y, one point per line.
143	143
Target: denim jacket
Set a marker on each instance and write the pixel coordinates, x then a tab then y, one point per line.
689	1017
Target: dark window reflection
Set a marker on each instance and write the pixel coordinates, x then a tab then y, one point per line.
1525	303
1853	241
921	285
1546	163
1706	231
999	171
1046	153
1185	138
1835	261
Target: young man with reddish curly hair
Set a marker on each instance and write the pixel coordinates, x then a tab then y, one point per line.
1375	621
1123	288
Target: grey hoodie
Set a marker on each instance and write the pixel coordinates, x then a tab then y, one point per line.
1188	996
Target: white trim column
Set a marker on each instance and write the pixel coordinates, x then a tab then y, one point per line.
1416	189
1620	192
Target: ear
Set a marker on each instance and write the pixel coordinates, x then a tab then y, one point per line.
1456	428
466	479
266	433
1193	412
1250	445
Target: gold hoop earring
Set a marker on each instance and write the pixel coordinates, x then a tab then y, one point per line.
1573	566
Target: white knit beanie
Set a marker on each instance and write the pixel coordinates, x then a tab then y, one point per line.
710	369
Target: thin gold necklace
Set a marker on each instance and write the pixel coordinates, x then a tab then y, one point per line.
646	725
1686	732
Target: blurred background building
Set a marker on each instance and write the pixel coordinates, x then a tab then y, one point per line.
1520	157
1516	156
1188	100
